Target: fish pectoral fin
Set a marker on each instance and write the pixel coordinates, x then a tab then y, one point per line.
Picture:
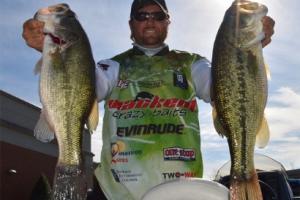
217	124
263	135
38	66
93	119
42	130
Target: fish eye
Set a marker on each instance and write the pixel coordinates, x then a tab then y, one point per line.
59	9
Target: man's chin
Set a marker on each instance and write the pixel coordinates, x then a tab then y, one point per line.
152	43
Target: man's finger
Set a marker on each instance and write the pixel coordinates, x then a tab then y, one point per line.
268	28
266	41
268	21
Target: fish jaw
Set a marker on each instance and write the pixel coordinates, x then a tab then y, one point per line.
58	35
243	23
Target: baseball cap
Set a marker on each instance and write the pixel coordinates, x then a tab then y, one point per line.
138	4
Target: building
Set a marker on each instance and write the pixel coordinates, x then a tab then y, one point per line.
23	158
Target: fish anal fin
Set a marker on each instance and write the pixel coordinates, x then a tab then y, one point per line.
263	135
93	118
42	130
217	124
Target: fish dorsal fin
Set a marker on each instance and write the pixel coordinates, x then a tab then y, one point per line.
42	130
93	119
217	124
263	135
38	66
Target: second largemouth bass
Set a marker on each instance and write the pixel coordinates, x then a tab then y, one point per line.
240	93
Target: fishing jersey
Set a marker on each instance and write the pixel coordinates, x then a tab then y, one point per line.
150	131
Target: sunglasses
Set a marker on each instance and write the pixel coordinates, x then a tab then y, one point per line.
144	16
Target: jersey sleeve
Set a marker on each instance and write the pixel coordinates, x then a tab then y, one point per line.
201	76
106	77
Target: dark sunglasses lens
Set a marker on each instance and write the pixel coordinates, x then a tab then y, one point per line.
159	16
143	16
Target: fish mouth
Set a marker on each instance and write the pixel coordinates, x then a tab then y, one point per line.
247	14
55	39
249	7
51	14
244	17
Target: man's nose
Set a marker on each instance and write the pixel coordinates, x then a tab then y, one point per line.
150	20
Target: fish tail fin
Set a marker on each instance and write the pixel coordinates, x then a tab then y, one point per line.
69	182
246	189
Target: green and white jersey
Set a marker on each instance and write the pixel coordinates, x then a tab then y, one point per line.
151	131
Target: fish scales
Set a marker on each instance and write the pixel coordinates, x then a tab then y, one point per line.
67	93
240	92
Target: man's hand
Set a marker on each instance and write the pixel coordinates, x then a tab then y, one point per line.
33	34
268	28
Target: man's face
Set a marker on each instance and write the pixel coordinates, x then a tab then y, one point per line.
151	32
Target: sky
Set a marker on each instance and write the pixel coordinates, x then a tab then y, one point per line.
193	27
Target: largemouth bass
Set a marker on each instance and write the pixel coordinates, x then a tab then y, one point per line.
67	94
239	92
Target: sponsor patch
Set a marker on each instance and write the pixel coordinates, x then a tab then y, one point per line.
180	80
144	96
145	100
126	176
119	153
133	114
176	153
177	175
147	129
175	112
119	160
123	84
150	84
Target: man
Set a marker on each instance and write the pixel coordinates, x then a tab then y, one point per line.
151	129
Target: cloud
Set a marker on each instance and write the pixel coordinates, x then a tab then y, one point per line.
195	24
285	153
283	113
